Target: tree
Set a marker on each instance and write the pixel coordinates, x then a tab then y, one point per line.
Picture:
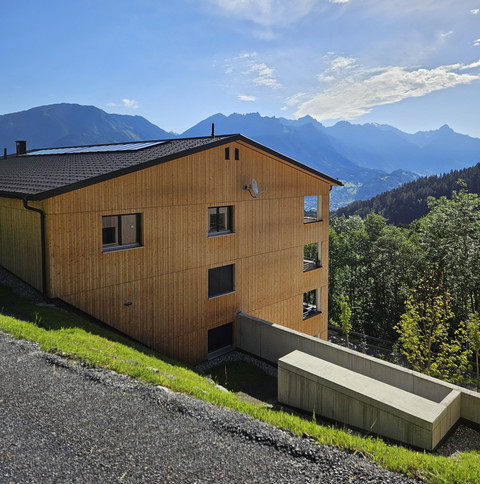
473	335
345	318
374	265
426	337
449	237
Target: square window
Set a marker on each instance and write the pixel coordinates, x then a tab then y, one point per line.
312	208
312	256
220	220
311	303
110	230
220	337
121	231
220	280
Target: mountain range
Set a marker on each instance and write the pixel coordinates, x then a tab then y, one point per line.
368	159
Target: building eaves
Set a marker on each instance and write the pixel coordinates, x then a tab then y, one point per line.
37	176
41	176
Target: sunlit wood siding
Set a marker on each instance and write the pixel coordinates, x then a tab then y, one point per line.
158	293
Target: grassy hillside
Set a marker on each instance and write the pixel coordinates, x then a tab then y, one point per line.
79	339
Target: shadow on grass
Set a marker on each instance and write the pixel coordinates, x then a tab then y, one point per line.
52	317
243	377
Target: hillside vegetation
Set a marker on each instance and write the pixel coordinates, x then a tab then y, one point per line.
379	267
409	202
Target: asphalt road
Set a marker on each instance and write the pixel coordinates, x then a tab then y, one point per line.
61	423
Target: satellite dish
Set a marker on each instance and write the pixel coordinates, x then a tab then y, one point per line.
253	189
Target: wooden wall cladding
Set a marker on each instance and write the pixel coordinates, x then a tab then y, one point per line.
166	280
20	241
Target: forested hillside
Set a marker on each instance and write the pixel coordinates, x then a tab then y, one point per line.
378	266
409	201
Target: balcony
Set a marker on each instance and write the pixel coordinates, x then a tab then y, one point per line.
309	310
311	303
311	264
312	256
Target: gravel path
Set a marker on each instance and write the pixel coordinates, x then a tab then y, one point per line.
61	422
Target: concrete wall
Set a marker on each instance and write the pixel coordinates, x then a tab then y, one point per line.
271	342
315	385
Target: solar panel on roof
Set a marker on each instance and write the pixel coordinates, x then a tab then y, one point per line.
96	149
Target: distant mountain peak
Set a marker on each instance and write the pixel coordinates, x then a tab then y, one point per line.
65	124
368	157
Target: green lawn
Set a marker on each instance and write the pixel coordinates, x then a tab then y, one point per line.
79	339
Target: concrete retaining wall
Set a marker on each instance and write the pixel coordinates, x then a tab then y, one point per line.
272	342
313	384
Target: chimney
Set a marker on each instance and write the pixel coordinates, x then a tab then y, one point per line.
213	130
5	153
21	147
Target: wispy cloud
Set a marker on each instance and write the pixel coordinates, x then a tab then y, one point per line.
356	92
130	103
338	67
248	67
244	97
268	12
264	75
475	11
476	43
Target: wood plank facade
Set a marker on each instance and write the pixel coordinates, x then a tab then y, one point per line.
158	292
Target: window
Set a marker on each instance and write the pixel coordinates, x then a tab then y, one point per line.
220	338
237	154
312	208
121	231
227	153
312	256
220	280
220	220
311	303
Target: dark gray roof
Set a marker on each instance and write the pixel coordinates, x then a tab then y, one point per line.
40	174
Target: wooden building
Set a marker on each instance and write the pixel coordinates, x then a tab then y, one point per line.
167	240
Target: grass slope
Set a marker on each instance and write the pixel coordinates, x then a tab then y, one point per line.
79	339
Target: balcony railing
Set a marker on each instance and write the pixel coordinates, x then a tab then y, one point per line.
309	219
310	264
309	310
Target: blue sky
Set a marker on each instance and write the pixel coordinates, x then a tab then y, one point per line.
414	64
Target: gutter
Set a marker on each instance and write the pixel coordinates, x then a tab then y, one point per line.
44	248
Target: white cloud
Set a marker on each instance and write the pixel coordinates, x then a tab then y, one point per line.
475	11
446	34
267	12
111	105
476	43
251	69
130	103
359	91
337	65
244	97
264	75
296	99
